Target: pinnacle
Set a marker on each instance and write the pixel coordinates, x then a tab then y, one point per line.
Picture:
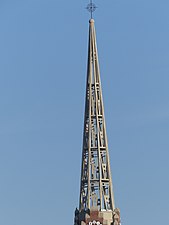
91	21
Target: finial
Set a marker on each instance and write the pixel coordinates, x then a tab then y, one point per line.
91	7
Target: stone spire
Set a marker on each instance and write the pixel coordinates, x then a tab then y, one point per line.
96	204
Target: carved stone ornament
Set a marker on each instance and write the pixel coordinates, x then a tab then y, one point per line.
94	223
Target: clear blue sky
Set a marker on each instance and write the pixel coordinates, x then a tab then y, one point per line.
43	55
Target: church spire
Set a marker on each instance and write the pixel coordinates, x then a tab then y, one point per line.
96	186
96	203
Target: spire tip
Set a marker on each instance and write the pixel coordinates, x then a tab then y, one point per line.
91	21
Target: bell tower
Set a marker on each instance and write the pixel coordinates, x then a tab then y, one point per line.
96	202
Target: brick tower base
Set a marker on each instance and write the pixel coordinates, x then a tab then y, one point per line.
95	217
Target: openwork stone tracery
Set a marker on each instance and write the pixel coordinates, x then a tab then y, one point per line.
96	204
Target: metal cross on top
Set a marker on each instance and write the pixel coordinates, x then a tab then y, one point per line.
91	7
